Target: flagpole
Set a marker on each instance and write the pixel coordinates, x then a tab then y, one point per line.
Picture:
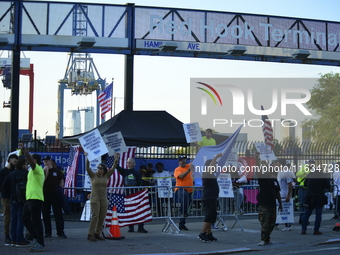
112	96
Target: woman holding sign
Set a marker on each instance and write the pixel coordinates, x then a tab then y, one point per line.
99	203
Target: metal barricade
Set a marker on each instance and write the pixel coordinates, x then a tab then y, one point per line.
171	205
336	194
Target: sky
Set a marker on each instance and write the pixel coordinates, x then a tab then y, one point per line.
163	83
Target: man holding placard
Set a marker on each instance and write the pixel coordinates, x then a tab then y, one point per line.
132	178
162	178
285	180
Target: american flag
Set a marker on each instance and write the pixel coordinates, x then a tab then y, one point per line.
116	180
267	130
72	166
105	100
136	209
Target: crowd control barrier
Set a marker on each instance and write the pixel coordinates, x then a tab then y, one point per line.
174	203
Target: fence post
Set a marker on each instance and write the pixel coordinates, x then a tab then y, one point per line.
295	158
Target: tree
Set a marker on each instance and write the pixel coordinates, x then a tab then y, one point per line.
325	106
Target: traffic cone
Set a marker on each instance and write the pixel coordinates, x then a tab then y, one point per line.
337	227
114	228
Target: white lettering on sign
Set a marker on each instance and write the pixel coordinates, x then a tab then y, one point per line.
263	31
170	27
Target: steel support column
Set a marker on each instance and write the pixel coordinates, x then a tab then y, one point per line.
16	76
129	60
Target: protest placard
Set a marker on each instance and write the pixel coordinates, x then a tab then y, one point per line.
115	143
93	144
226	185
93	165
165	191
265	151
192	132
287	213
232	159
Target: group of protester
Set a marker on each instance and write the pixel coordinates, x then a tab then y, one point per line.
27	192
274	187
277	187
43	186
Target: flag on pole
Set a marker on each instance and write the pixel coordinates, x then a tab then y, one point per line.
105	100
132	209
267	130
72	166
209	152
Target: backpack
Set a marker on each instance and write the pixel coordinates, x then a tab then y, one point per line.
20	190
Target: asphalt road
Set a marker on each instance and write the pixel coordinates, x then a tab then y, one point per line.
186	242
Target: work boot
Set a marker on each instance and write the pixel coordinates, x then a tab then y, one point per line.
91	238
211	237
99	237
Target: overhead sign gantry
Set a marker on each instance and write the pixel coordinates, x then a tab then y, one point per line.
140	30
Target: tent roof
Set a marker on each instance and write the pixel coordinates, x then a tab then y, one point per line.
141	128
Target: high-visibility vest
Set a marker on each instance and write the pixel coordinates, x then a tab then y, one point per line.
302	173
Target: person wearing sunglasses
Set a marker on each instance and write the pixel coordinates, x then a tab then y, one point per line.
98	200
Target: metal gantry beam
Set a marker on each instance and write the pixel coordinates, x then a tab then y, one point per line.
140	30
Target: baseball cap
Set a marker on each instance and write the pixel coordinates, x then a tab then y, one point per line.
47	158
181	157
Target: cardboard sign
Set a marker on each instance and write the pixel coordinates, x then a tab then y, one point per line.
93	144
166	190
265	151
115	143
86	214
192	132
93	165
287	213
226	185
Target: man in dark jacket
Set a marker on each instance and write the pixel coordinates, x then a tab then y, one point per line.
54	179
317	184
269	193
209	199
15	183
132	178
5	201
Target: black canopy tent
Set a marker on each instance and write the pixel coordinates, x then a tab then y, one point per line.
141	128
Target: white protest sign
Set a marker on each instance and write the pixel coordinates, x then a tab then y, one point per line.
265	151
93	144
166	190
115	143
93	165
287	213
86	214
226	185
192	132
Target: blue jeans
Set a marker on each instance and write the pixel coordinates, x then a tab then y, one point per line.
317	205
184	198
302	197
17	226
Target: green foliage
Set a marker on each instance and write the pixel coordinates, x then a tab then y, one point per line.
325	105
